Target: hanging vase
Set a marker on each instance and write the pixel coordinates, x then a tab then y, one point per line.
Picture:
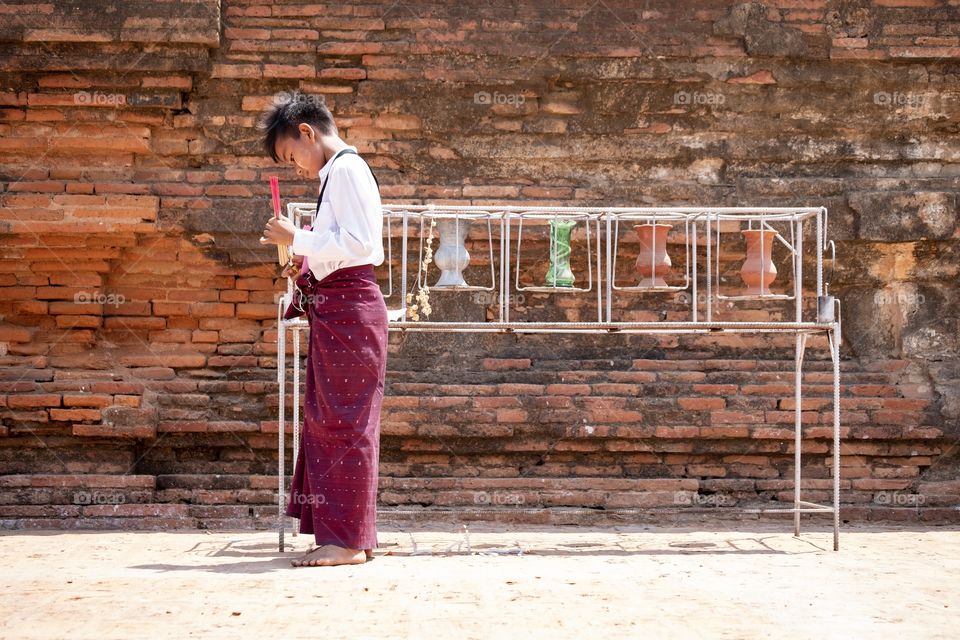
451	257
653	263
559	273
758	270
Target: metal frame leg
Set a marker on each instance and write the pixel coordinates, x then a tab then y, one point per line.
295	398
281	426
800	347
835	355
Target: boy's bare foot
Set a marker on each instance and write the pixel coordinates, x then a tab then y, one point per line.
328	555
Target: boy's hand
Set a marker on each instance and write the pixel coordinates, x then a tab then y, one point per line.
278	231
294	270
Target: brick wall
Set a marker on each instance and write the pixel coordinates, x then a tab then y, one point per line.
138	332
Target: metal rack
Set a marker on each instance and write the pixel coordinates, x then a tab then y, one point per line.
710	219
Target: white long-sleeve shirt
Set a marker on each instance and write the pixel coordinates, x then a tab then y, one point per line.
348	227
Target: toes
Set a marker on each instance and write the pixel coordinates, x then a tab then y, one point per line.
302	561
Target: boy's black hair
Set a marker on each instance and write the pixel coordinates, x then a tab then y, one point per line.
286	114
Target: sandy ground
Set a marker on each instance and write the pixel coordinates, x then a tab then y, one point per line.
623	582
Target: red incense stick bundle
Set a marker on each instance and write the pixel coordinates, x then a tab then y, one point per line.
283	252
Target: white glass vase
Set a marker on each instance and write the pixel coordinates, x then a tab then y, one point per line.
451	257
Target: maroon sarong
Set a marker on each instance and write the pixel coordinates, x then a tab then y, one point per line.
334	490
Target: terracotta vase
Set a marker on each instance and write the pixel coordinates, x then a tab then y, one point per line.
451	257
758	270
559	274
653	263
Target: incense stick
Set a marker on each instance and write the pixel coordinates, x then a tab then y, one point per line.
283	252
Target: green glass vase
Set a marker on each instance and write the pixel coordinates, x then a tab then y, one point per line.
559	273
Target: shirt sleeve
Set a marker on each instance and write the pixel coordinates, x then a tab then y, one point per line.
358	213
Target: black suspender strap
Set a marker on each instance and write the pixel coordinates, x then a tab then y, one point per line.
327	179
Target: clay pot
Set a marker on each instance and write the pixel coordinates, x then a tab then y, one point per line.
653	263
452	257
758	270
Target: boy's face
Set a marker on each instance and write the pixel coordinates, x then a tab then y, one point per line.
305	152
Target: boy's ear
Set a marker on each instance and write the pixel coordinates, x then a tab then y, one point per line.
307	130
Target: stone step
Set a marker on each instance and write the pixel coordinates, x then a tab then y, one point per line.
264	517
120	496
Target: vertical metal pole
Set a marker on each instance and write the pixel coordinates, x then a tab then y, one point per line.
710	270
503	284
296	389
819	253
608	269
599	295
693	240
836	429
403	268
281	382
551	244
800	345
799	348
296	393
389	255
798	270
506	291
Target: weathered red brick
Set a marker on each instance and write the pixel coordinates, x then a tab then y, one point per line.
29	401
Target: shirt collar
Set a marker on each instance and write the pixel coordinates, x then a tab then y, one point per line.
325	169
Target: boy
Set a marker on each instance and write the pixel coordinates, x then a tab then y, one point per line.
334	488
